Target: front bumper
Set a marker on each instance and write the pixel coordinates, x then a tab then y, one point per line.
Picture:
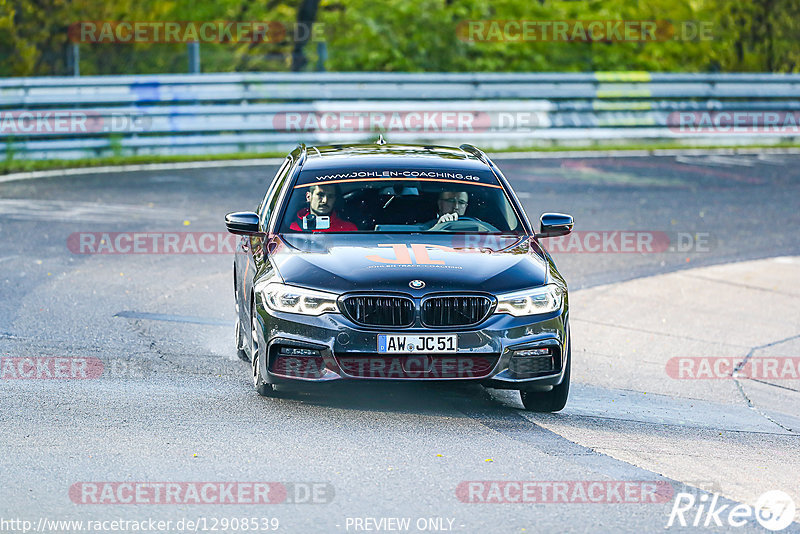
344	350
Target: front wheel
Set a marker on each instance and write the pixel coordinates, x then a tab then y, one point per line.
553	400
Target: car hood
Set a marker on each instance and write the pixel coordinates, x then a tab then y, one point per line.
389	262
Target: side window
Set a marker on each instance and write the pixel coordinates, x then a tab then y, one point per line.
277	194
265	209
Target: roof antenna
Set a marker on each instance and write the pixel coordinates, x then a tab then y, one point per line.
381	140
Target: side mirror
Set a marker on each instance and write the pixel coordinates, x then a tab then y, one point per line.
555	224
243	223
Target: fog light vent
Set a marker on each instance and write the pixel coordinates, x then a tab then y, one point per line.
532	352
297	351
297	362
528	363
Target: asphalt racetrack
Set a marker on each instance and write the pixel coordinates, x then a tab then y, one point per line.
171	403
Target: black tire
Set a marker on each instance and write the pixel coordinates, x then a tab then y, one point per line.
553	400
262	388
240	352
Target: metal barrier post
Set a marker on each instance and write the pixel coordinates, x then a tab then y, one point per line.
322	55
193	48
74	59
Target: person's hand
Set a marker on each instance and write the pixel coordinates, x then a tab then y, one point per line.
446	218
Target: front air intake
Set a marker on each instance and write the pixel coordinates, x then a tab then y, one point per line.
380	310
455	310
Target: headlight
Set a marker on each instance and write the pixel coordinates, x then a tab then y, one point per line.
283	298
534	301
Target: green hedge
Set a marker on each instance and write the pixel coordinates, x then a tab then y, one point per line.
412	35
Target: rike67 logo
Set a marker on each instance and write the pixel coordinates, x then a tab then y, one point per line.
774	511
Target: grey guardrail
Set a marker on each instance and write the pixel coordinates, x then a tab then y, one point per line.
257	112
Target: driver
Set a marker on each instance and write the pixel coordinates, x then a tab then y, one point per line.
451	205
320	216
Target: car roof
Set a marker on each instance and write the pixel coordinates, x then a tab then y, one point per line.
391	155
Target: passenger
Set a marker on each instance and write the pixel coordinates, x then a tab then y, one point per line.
319	215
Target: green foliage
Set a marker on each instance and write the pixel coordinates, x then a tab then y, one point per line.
410	36
421	35
9	156
115	144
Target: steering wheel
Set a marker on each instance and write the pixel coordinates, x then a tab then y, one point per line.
471	222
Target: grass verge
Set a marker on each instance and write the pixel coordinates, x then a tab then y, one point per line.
14	166
7	167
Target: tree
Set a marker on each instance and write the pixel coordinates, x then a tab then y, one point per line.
306	16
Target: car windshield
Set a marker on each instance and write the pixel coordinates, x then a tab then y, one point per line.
398	201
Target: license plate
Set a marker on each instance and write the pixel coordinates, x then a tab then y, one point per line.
408	344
